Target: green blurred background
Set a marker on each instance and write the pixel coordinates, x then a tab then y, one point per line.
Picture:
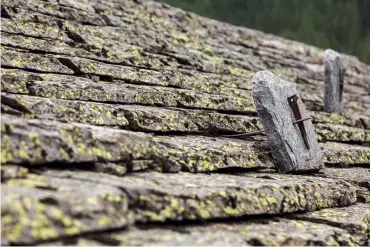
343	25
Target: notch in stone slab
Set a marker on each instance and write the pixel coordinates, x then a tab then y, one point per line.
291	137
334	81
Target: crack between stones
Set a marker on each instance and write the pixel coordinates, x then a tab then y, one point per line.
344	165
359	143
33	70
38	51
208	111
320	221
106	78
29	36
66	56
128	65
133	82
231	112
98	235
69	239
56	16
237	170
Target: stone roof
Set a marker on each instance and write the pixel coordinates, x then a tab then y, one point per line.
114	116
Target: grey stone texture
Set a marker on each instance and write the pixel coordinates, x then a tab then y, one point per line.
333	81
121	123
287	145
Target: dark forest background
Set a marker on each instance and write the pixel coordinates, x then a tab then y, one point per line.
343	25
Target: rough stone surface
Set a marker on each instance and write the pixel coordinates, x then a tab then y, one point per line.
286	141
355	175
274	232
340	133
81	79
346	155
36	208
28	142
336	119
113	202
158	197
12	172
333	81
34	142
354	219
78	88
133	117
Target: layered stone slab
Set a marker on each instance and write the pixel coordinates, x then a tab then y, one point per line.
340	133
133	117
352	120
37	208
35	143
179	196
273	232
65	11
140	65
49	30
136	56
13	172
143	67
79	88
206	154
63	110
14	59
233	44
41	142
346	154
156	119
60	203
355	175
354	219
207	83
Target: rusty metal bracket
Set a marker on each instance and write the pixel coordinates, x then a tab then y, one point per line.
302	120
253	133
293	102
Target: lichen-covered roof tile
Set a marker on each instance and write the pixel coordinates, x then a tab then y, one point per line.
134	105
273	232
354	219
